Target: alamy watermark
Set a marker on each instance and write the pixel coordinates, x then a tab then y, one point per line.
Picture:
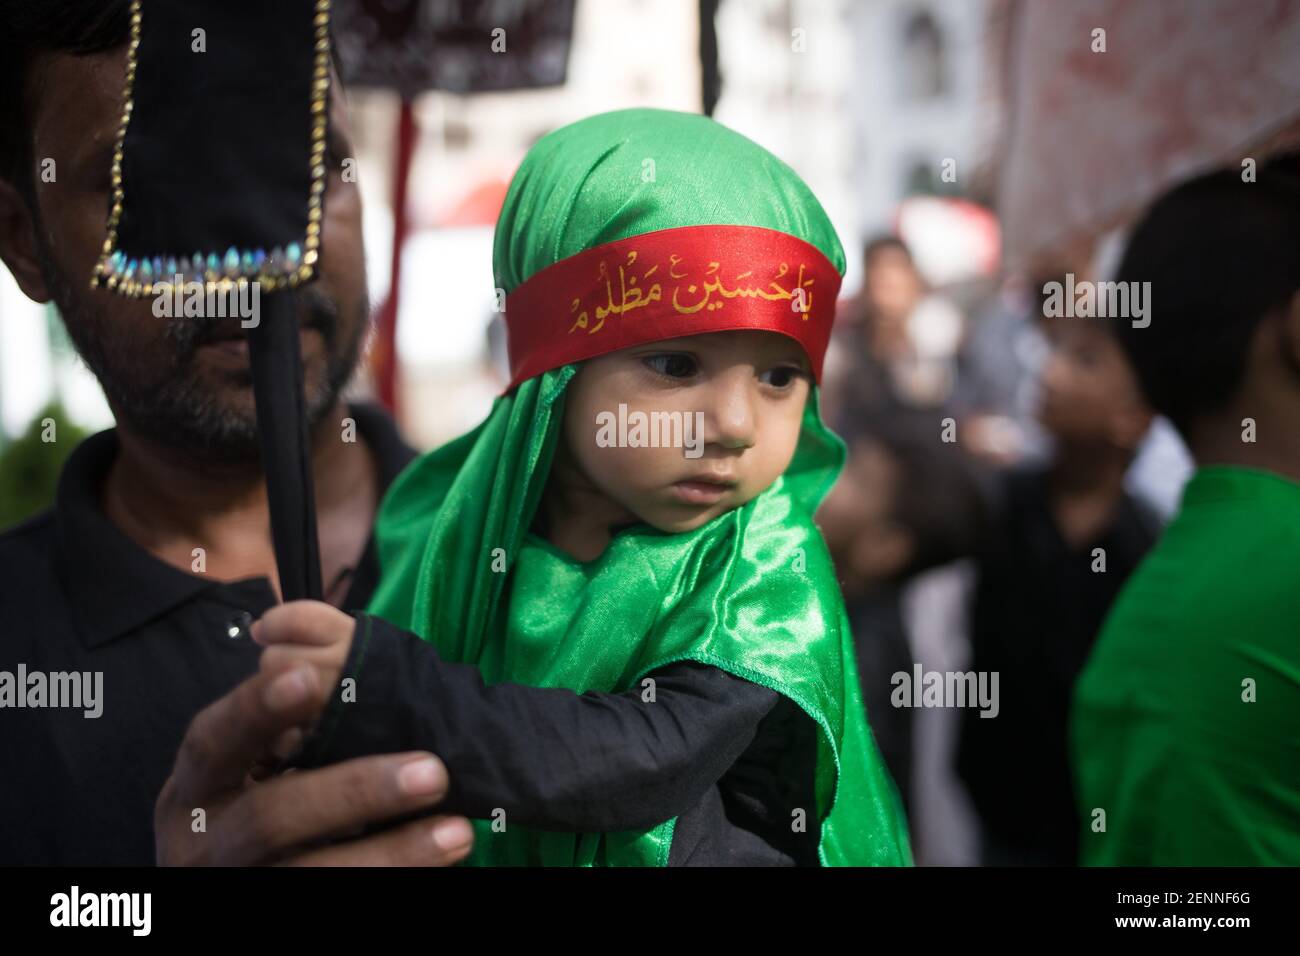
61	689
223	300
923	688
75	908
1113	300
651	430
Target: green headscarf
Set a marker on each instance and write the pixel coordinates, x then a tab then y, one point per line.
752	592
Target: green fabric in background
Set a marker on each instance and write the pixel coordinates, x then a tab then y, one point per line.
752	592
1187	771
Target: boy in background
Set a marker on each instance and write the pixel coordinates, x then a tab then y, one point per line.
1186	727
1063	539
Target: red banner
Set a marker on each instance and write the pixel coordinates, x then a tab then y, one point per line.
671	283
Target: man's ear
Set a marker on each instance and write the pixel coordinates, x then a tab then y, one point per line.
18	243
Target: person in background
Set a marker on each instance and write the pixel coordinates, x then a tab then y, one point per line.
904	504
1064	537
895	344
1186	723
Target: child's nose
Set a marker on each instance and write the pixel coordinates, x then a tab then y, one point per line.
732	417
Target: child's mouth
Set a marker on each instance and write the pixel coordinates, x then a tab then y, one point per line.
702	492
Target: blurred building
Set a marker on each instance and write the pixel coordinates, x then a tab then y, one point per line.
919	100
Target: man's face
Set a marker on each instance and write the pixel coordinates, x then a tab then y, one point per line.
180	381
750	389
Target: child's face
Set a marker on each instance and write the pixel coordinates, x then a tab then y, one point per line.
749	389
1088	391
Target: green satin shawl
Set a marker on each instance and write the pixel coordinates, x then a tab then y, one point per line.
752	592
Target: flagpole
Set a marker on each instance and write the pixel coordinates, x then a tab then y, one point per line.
276	360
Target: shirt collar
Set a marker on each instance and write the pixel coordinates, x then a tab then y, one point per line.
117	585
1219	483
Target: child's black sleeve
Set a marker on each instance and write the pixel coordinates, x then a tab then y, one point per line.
550	758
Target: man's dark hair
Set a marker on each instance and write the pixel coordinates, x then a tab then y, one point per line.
27	30
1220	254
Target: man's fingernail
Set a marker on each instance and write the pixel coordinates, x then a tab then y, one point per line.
420	777
454	834
288	690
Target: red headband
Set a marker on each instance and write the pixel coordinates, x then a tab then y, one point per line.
670	283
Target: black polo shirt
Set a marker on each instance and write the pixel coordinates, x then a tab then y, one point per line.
78	595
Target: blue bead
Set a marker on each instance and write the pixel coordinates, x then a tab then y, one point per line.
293	253
130	268
259	259
214	264
246	264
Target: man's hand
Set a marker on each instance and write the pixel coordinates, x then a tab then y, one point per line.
292	819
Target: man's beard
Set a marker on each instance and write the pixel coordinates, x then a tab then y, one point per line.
179	410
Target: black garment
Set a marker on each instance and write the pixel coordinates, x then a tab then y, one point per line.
1038	607
76	594
731	758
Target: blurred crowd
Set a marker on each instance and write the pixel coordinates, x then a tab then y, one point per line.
991	466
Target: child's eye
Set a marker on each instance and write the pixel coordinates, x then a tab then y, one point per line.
783	376
672	364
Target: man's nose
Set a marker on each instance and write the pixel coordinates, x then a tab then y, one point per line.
733	412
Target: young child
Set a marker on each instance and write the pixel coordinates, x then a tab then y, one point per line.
635	655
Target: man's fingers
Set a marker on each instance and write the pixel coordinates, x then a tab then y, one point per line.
228	737
302	622
432	841
307	806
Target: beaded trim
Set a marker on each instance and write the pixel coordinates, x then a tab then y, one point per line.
290	266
